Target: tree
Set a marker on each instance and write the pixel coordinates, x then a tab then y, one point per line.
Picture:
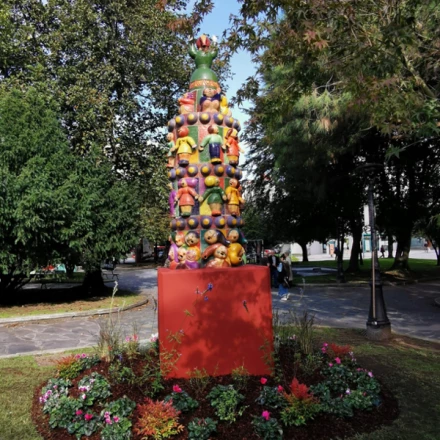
54	205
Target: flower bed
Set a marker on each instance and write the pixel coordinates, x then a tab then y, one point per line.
321	395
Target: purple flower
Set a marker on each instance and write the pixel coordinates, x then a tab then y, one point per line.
210	286
206	298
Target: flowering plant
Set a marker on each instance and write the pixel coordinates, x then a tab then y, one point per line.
93	387
83	423
267	427
51	393
181	400
272	397
201	429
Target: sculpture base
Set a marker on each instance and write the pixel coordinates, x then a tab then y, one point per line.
216	330
378	332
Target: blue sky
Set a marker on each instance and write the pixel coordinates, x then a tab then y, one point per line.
241	65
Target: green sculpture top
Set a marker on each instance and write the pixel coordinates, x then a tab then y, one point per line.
203	53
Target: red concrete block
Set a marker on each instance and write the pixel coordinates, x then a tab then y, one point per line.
221	329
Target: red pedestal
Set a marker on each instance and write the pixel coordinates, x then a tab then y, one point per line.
221	329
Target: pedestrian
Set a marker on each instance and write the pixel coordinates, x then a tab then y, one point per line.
382	251
272	262
289	268
336	252
283	279
426	246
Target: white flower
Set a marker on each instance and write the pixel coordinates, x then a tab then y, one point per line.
214	39
154	337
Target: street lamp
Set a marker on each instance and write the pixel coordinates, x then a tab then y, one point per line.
378	324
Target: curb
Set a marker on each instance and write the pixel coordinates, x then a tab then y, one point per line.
72	314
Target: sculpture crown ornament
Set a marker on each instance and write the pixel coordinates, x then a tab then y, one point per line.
203	157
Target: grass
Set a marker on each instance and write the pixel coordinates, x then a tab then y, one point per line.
419	269
409	367
123	298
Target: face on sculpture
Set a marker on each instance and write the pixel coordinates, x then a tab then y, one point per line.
213	129
181	255
233	183
180	239
221	252
183	131
233	236
191	239
170	137
211	236
209	93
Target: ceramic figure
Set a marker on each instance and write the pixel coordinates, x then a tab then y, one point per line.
219	253
233	149
215	142
224	107
181	255
213	236
185	197
172	200
184	146
210	101
171	157
193	252
235	249
234	197
214	195
187	102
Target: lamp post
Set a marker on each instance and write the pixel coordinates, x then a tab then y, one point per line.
378	324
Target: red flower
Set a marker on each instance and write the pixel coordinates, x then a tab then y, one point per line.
88	417
177	389
263	380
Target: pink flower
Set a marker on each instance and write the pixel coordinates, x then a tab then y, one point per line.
116	419
79	412
337	360
83	397
88	417
266	415
263	381
330	364
280	389
370	374
325	344
177	389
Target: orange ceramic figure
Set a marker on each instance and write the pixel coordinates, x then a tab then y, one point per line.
235	249
184	146
185	198
233	150
219	253
234	197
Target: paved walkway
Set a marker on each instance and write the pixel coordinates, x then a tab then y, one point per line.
411	310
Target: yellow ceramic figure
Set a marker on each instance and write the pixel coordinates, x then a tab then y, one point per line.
219	253
184	146
224	107
235	249
234	198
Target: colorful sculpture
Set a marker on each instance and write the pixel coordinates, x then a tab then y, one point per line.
234	198
204	179
215	142
185	197
184	146
233	149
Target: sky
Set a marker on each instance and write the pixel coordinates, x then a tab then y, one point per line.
241	65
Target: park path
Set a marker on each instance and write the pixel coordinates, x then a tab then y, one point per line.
411	310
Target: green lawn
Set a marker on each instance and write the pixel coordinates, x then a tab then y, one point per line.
419	269
410	368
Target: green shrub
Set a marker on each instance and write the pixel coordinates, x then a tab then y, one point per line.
267	427
227	402
201	429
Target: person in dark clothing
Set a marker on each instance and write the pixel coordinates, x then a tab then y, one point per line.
273	262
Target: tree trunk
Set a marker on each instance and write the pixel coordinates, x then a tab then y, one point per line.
9	284
304	250
390	245
353	265
93	282
402	252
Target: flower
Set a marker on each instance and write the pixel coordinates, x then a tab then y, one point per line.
280	389
177	389
337	360
263	380
330	364
88	417
116	419
210	286
154	337
266	415
325	344
79	412
370	374
83	397
347	391
206	298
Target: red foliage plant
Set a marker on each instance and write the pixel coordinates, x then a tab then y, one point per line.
300	390
340	350
158	420
66	362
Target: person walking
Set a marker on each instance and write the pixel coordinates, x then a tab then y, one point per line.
382	251
289	268
273	261
283	280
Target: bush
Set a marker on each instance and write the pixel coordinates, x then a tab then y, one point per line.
181	400
226	400
201	429
158	420
272	397
267	427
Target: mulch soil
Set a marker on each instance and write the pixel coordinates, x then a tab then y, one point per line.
324	426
